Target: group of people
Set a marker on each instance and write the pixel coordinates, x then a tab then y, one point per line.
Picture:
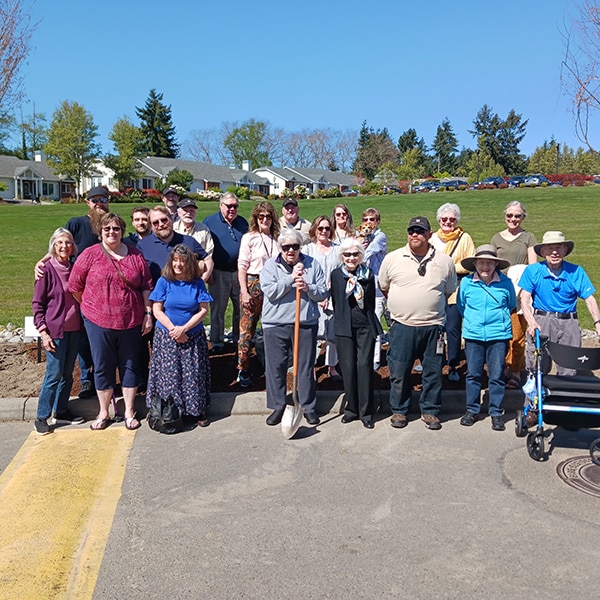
108	298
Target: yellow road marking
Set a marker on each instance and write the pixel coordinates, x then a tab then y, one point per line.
58	498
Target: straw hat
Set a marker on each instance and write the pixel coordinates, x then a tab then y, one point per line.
487	251
554	237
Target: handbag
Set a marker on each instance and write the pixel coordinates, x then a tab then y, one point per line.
164	415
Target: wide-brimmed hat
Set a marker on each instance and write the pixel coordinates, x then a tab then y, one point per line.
554	237
487	251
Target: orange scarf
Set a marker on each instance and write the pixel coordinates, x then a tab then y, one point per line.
449	238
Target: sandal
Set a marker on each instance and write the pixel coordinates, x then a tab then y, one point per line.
513	384
132	423
99	424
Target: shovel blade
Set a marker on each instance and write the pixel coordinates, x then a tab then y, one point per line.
290	422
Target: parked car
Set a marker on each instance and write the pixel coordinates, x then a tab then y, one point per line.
495	181
532	180
349	192
516	180
391	189
454	183
427	186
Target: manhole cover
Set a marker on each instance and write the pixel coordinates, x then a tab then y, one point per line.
581	473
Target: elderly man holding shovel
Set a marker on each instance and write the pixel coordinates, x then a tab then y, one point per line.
280	278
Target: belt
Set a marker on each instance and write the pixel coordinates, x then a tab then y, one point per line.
558	315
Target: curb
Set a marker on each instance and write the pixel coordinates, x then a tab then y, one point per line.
226	404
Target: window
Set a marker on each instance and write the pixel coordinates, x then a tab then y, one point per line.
48	189
147	184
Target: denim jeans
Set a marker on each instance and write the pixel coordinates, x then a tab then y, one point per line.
406	345
493	354
58	380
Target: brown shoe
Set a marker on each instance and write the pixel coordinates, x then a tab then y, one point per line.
203	420
399	421
431	421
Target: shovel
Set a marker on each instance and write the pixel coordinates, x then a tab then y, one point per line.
292	416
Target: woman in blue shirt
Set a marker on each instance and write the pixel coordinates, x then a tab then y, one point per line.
485	300
179	366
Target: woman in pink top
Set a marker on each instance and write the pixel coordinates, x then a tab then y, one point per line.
112	283
257	246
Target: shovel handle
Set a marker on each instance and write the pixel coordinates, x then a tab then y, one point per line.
296	334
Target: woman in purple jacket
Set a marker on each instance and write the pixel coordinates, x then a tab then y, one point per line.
56	316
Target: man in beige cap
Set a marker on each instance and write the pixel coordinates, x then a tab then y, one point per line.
549	292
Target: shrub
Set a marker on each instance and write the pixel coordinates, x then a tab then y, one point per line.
371	188
243	193
503	186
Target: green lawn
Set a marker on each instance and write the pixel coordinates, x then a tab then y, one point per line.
27	229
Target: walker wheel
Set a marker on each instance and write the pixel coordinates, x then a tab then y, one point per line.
595	451
535	445
520	429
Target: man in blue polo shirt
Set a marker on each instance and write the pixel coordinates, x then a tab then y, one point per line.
227	229
158	245
549	292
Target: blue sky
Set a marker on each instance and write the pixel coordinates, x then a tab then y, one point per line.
309	64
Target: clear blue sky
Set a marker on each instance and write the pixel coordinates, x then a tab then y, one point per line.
310	64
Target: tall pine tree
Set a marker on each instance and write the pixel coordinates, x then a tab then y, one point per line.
157	127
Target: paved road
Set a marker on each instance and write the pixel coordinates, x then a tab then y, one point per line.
235	511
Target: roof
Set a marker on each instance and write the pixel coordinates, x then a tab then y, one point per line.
11	167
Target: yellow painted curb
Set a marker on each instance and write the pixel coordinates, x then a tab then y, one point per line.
58	498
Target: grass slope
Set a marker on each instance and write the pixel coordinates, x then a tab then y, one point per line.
27	228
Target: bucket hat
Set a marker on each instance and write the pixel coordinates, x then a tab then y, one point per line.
554	237
487	251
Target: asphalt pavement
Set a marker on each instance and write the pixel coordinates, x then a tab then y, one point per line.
235	511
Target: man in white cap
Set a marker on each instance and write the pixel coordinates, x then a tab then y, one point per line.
549	292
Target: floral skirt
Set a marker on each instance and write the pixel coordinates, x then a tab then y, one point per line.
181	371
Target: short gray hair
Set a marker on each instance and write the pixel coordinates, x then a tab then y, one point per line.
448	208
229	195
58	233
516	203
348	244
291	236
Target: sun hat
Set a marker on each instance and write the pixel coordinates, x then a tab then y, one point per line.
98	191
554	237
422	222
187	202
487	251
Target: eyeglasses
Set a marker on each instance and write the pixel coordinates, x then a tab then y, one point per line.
98	200
415	231
451	219
109	229
288	247
161	221
230	206
369	218
323	228
511	216
264	217
350	254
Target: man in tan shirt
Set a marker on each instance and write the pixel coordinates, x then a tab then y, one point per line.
416	280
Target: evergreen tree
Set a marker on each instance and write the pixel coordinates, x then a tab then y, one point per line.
157	127
375	148
445	146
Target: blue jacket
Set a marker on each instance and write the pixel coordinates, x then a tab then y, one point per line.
486	308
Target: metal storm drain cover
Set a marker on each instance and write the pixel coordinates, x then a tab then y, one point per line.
581	473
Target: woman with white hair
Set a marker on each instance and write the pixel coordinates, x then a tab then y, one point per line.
458	244
58	320
356	328
279	279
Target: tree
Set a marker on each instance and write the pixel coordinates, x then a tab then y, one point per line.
374	149
444	147
157	127
128	143
34	134
482	165
249	141
179	177
580	69
16	29
72	148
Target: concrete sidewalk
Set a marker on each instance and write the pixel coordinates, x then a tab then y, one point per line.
254	403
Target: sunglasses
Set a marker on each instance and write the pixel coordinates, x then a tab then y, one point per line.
323	228
350	254
264	217
230	206
161	221
451	219
288	247
342	214
109	229
415	231
369	218
512	216
98	200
